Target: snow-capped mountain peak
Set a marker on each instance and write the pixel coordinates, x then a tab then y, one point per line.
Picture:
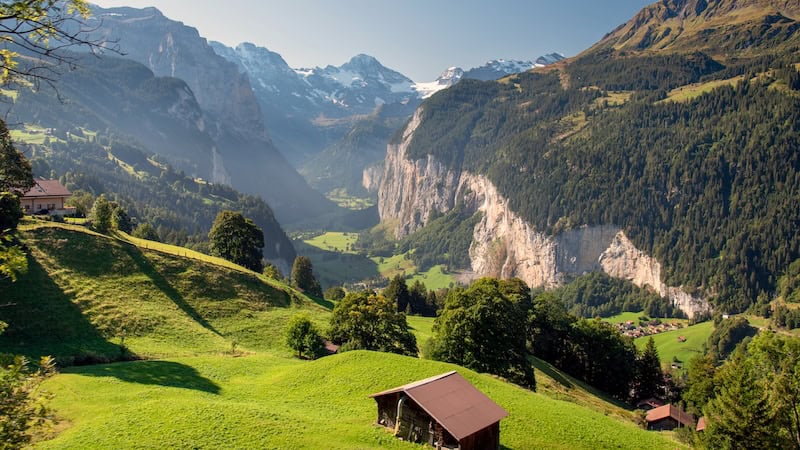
449	77
492	70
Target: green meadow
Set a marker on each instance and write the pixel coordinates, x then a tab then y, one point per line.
670	346
264	401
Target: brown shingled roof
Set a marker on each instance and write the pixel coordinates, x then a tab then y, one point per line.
662	412
47	188
701	424
453	402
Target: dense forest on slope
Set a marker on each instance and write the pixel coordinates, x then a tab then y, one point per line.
179	207
599	295
708	185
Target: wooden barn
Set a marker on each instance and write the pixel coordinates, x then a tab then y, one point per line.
444	411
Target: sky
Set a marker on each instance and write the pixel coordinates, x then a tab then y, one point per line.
419	38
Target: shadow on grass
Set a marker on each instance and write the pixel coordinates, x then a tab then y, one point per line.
161	373
551	372
44	320
146	267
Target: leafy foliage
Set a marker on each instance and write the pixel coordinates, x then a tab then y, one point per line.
146	231
444	240
303	276
303	337
592	350
22	401
369	321
101	214
15	170
729	333
237	239
649	379
483	328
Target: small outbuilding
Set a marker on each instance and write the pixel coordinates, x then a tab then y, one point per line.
444	411
668	417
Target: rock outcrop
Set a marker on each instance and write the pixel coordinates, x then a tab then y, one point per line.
505	245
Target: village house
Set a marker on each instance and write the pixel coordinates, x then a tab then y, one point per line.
47	196
444	411
668	417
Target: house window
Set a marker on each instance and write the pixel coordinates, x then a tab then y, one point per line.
39	207
51	206
27	208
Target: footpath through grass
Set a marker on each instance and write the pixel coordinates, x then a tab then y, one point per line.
264	401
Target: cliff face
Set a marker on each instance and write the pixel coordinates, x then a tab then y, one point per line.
504	245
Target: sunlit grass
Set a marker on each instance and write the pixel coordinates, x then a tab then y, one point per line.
262	401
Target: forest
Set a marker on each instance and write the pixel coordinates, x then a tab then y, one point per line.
709	186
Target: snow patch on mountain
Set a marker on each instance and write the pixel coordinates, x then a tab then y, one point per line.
492	70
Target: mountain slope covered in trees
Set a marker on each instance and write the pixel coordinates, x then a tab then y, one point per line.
707	183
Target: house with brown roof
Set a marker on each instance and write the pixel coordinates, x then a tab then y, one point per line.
668	417
444	411
47	195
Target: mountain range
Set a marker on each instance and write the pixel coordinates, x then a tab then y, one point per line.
315	114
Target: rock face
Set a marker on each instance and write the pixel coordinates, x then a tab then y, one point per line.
504	245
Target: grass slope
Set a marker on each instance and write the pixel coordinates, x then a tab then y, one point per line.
267	402
84	292
669	346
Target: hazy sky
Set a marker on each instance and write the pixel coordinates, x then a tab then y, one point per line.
419	38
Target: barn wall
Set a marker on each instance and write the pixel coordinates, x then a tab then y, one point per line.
665	424
487	438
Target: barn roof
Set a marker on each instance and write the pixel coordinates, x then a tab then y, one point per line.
47	188
662	412
453	402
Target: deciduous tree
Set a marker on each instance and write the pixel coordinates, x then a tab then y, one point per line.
237	239
43	30
101	214
369	321
302	336
303	277
483	328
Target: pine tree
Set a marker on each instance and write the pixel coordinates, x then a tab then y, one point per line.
740	416
649	380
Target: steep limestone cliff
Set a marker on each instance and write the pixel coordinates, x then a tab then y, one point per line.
504	245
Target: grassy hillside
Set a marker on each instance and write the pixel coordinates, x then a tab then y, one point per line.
84	293
267	402
669	346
